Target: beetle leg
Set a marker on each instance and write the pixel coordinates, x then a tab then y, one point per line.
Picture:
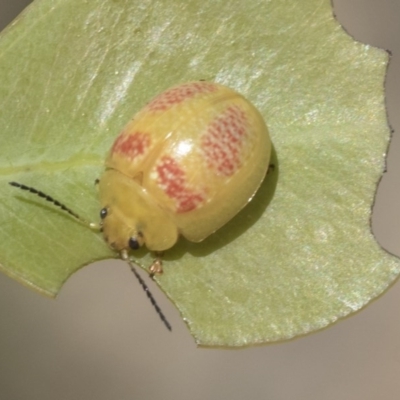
271	168
156	267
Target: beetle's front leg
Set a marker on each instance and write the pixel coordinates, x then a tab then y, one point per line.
156	267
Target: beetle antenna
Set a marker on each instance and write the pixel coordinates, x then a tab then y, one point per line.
93	225
54	201
150	296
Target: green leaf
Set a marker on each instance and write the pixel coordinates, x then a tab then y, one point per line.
302	254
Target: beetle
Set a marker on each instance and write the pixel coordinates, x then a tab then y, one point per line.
186	164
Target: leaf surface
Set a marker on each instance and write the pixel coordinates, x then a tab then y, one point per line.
302	254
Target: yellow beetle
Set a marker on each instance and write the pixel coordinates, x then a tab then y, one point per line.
187	163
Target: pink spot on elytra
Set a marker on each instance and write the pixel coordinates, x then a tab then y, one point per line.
224	139
179	94
172	180
131	145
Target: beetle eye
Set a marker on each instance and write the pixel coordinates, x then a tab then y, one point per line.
103	213
133	243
